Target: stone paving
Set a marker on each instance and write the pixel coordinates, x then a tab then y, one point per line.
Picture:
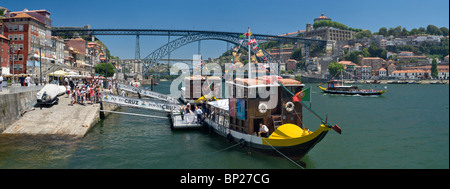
60	119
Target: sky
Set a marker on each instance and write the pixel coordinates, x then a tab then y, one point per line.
263	16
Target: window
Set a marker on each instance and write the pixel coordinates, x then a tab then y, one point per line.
20	37
20	46
18	67
20	27
20	57
15	37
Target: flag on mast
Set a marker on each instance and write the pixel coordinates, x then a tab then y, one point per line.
304	95
252	41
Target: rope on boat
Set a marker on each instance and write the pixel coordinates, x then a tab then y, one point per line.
304	105
284	155
142	115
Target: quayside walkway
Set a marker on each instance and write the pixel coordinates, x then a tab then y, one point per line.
60	119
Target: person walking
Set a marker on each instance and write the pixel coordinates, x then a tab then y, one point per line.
1	82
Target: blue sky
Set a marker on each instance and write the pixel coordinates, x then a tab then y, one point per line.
263	16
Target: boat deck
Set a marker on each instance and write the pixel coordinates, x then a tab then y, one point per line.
178	123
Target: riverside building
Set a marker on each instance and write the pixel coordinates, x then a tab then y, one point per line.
28	31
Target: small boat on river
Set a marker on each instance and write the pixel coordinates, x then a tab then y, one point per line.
336	87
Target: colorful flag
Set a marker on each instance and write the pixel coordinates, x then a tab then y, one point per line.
304	95
255	47
251	42
248	34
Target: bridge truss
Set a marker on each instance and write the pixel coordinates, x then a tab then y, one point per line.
187	36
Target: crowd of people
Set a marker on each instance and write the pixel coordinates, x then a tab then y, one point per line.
199	113
86	90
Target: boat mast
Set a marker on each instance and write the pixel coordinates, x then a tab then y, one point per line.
249	59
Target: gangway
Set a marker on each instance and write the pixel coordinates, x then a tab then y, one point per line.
173	110
140	103
147	93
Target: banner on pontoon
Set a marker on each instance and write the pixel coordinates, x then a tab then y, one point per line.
148	93
140	103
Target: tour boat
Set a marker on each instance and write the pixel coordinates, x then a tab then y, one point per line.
238	118
336	87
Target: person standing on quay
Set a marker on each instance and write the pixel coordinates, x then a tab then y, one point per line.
1	81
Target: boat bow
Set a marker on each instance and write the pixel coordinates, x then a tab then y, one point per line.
292	135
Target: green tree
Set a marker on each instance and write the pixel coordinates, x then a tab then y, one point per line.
422	30
101	69
434	70
405	32
297	54
335	69
444	31
414	31
383	31
363	33
433	30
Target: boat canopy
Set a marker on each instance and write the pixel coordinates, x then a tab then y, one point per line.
222	104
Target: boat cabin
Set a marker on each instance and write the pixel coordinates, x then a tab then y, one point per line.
195	84
244	114
337	85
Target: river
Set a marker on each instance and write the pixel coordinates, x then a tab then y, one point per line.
405	128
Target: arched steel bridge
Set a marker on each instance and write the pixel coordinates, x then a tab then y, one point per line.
188	36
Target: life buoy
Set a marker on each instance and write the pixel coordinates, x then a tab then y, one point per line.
229	138
289	106
262	108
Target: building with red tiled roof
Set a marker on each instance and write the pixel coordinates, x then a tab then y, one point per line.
28	31
375	62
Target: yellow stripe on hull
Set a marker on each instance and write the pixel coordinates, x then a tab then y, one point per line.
291	135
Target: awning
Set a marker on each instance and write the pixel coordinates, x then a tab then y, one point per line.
58	73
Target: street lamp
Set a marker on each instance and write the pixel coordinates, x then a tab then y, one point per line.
11	47
40	65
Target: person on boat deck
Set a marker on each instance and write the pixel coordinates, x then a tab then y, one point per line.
182	112
188	114
263	130
199	113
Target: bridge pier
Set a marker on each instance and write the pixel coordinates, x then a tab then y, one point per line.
199	47
168	56
306	51
137	54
